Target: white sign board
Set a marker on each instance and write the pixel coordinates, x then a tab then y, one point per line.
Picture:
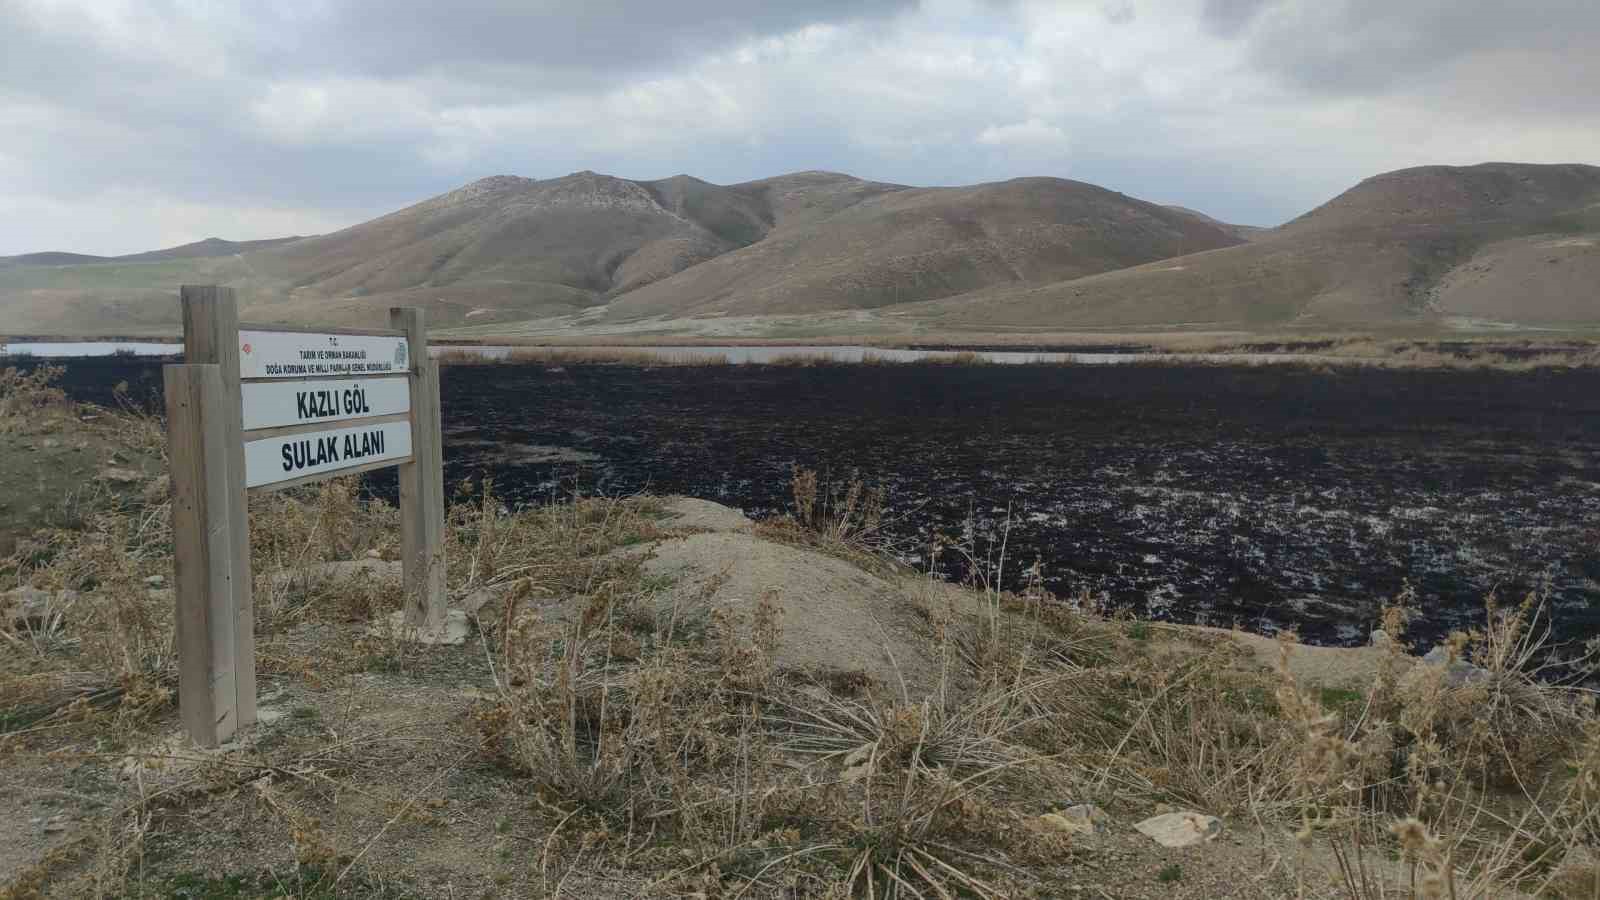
291	354
275	459
268	404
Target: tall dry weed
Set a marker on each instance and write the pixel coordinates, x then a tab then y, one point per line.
30	400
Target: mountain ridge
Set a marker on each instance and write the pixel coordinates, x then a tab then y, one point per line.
1426	245
1401	247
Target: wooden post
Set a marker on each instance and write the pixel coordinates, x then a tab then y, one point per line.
204	540
211	336
422	484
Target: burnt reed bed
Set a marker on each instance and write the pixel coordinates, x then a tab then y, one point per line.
1268	496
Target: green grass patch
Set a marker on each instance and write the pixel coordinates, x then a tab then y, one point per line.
1338	698
17	718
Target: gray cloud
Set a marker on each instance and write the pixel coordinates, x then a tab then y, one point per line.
597	36
161	119
1365	46
1229	18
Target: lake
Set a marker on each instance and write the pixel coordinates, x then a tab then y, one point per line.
735	355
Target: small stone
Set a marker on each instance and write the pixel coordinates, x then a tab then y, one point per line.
1087	812
49	443
1081	818
156	580
1458	671
29	607
1181	829
158	490
119	475
474	602
452	631
374	554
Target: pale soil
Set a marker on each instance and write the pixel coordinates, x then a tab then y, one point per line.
836	620
702	515
1349	668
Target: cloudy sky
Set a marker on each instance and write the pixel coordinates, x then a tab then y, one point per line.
127	125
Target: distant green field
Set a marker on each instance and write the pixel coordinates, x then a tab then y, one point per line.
121	276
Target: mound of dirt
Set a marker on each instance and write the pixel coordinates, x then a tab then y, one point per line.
703	515
836	619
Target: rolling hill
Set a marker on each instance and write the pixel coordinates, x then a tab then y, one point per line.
204	249
504	249
1242	232
916	244
209	248
53	258
1506	242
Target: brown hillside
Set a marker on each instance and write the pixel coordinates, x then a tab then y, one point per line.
895	246
510	247
1413	246
52	258
209	247
499	249
1499	241
1242	232
1545	279
1490	194
803	198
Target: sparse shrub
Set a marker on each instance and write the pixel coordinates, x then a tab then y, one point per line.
847	519
1433	779
28	400
1502	721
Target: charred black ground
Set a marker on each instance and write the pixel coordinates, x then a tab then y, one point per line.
1267	495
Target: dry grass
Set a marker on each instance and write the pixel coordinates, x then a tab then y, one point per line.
580	356
615	724
29	401
1322	351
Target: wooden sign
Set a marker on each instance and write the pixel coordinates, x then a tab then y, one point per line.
293	354
261	409
293	457
272	404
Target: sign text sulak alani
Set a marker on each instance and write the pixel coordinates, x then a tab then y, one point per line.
274	459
